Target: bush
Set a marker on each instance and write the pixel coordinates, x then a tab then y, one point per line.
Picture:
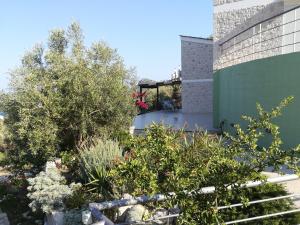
48	191
1	135
96	158
262	192
166	161
63	94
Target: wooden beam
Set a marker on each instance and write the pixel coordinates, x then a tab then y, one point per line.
141	91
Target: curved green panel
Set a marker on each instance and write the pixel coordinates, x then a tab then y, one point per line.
238	88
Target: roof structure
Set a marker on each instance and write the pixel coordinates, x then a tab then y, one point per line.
154	84
201	38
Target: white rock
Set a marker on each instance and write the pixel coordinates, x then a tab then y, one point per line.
55	218
122	211
160	213
87	218
99	223
136	213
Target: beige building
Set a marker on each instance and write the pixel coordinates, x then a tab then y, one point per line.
196	74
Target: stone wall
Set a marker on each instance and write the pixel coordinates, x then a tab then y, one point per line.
197	70
251	39
221	2
197	97
225	22
261	41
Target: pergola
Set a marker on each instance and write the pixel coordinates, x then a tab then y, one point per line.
150	84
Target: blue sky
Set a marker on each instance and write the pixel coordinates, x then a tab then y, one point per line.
145	32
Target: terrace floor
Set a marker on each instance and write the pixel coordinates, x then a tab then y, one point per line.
189	121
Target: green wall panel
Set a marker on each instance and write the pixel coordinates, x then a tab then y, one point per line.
238	88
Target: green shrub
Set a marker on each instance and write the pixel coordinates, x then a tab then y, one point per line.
166	161
64	93
1	135
96	158
262	192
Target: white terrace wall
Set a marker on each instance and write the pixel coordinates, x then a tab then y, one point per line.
197	70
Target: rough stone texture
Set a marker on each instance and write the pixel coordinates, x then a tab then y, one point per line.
252	44
196	60
197	97
247	42
225	22
221	2
197	65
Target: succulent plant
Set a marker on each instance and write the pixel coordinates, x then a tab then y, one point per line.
48	190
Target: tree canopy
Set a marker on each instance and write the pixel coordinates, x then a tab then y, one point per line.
64	93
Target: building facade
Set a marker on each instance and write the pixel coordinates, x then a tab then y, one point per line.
256	60
196	74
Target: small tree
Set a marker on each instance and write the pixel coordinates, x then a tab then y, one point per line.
64	93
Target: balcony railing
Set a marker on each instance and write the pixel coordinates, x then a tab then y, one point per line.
96	208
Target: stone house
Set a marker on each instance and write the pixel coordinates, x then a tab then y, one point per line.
254	57
196	74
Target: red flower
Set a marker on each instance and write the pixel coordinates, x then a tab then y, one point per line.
141	104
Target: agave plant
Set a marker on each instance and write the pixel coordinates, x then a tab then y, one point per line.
96	158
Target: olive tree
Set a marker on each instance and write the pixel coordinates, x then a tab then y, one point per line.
62	94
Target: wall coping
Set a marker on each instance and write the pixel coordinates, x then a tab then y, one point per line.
196	39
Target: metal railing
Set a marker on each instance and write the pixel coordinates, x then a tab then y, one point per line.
256	45
96	208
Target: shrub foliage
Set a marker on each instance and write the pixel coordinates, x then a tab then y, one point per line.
64	93
96	159
166	161
48	191
2	137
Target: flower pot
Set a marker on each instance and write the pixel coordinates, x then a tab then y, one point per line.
55	218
